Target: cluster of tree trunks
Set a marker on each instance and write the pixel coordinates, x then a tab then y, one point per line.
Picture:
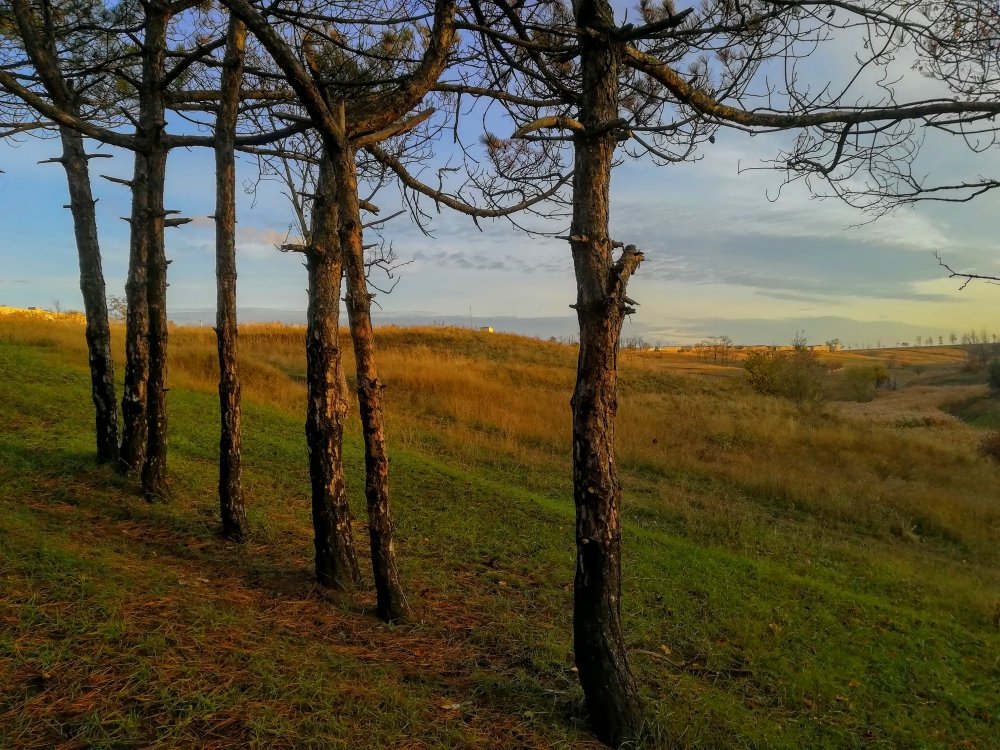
605	61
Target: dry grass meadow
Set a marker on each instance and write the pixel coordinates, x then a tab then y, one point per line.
795	577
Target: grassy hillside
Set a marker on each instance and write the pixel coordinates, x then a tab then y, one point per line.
826	578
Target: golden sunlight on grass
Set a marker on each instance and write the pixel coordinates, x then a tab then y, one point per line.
504	399
791	552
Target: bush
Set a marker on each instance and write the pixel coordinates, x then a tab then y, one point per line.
763	372
993	374
796	375
860	381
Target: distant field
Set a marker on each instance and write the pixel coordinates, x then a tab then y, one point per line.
794	578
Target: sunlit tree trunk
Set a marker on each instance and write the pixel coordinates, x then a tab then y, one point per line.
231	506
95	305
391	602
152	120
326	407
38	35
608	684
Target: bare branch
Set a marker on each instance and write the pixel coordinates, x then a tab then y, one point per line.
969	277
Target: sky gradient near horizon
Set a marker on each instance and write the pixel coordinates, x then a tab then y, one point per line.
722	257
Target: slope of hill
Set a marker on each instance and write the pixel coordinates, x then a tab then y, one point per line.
793	579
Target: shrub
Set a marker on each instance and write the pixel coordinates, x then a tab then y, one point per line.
762	370
860	381
993	374
796	375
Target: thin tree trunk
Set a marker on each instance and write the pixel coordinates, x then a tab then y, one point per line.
152	116
326	411
134	428
231	506
391	604
95	304
608	684
38	35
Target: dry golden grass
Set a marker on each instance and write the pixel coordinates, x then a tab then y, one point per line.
796	537
503	400
39	314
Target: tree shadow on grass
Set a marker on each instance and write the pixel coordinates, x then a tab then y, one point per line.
270	576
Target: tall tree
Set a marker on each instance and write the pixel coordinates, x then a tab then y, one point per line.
41	37
361	97
302	163
326	404
231	506
660	89
294	164
391	603
601	307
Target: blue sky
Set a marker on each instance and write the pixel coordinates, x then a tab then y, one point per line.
723	258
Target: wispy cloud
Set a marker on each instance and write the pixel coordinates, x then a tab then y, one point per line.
478	261
817	329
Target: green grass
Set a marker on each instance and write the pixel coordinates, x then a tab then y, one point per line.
779	624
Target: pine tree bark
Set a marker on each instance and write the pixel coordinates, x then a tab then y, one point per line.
134	427
95	304
609	687
152	118
326	409
391	603
231	504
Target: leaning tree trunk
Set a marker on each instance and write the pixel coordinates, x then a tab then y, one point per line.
152	116
608	684
40	44
326	410
231	506
391	604
95	305
134	429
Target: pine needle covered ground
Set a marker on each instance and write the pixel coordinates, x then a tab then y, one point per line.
821	578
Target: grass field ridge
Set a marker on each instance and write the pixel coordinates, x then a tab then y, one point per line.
793	579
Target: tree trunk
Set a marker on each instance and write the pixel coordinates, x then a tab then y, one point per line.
231	506
391	602
326	410
152	117
608	684
133	447
38	35
95	304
